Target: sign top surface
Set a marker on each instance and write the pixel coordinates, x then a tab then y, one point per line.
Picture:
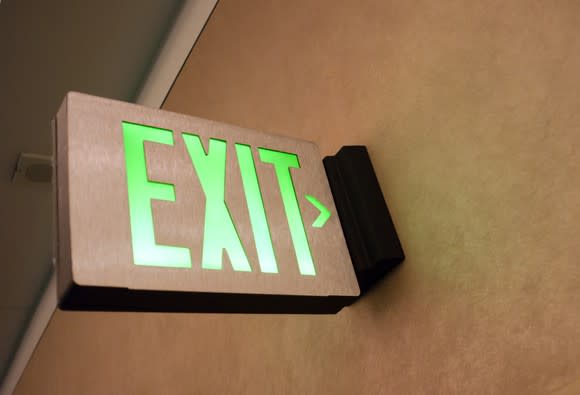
154	200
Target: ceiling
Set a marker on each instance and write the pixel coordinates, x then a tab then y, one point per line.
48	48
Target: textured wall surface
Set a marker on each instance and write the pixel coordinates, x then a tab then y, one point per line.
471	115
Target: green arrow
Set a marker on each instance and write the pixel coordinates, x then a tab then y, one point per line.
324	212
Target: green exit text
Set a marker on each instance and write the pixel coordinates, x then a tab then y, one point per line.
219	230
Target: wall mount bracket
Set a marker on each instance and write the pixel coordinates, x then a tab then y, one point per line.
367	225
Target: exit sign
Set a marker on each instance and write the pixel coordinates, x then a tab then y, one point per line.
159	211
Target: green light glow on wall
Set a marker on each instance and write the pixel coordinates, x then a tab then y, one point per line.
256	209
219	230
140	192
282	162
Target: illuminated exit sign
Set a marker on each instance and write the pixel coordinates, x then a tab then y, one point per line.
159	211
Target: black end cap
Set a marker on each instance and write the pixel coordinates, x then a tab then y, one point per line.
367	225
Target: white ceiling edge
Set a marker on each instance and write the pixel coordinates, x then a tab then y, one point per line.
173	54
181	39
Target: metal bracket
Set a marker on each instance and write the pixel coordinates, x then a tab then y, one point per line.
33	168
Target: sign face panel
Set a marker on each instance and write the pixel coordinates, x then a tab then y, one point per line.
151	200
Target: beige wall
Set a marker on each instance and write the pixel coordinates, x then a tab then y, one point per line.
471	113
